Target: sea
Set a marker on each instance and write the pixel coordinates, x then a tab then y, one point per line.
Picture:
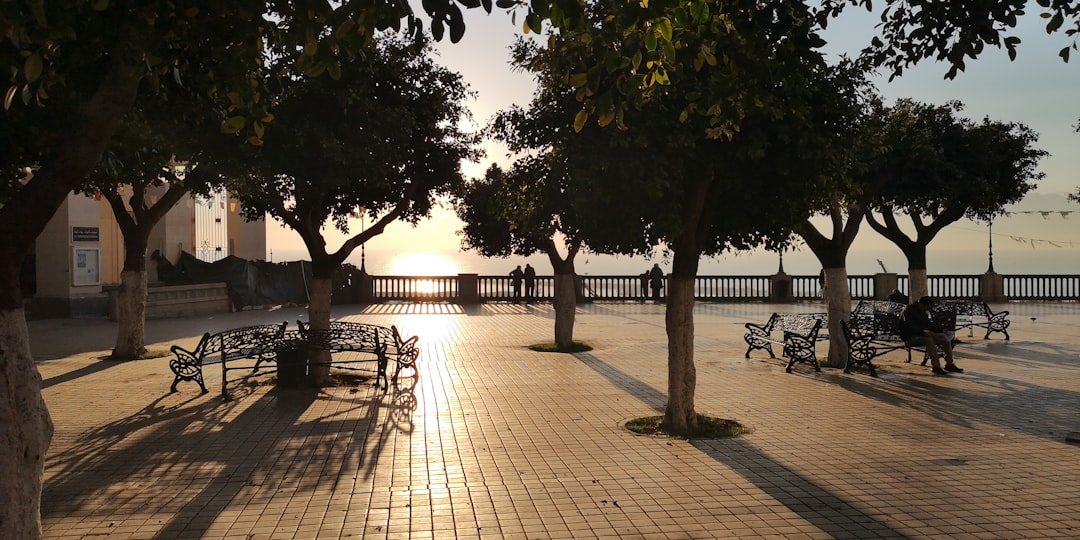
1038	242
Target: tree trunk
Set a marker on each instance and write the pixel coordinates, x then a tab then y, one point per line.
838	307
131	312
25	430
680	416
131	330
917	284
565	303
322	289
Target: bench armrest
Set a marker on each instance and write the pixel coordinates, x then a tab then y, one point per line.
762	330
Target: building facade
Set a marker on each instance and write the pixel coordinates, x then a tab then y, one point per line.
81	251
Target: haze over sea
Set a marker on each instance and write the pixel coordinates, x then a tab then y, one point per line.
1041	237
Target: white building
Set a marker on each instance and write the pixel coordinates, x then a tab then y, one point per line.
81	250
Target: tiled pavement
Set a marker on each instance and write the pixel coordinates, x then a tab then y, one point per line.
496	441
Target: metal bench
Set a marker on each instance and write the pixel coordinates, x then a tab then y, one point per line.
385	344
974	314
797	333
258	342
874	330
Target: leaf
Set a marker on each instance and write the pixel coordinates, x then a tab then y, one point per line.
233	125
1055	23
665	29
606	118
505	4
9	96
32	68
579	120
1064	54
699	11
254	141
534	22
578	80
101	5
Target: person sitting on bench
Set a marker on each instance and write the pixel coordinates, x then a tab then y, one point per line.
918	329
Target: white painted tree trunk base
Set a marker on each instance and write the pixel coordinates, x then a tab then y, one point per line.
26	429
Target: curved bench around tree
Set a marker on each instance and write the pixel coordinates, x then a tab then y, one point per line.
386	344
269	342
259	342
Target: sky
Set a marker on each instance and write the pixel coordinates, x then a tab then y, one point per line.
1037	89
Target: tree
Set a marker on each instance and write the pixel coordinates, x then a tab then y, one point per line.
953	32
746	132
939	168
168	156
852	115
74	70
383	135
519	212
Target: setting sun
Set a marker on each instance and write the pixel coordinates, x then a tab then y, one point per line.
422	264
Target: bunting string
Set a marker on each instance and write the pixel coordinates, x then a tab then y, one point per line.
1035	242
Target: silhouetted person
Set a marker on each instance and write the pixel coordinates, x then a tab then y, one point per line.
656	281
530	282
918	329
515	281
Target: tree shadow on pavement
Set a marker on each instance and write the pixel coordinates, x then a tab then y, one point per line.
811	501
203	455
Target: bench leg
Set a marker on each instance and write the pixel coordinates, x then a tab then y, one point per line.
381	373
195	377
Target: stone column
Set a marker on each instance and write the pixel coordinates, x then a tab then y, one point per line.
781	288
884	285
468	288
992	287
367	288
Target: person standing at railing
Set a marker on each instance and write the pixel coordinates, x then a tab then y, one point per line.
530	283
656	280
515	281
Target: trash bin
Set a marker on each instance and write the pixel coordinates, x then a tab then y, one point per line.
292	364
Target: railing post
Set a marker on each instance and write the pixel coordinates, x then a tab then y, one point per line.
992	287
781	285
367	288
884	285
468	289
579	289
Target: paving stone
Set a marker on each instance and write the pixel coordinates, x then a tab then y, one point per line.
493	440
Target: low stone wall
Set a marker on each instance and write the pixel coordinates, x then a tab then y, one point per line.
167	301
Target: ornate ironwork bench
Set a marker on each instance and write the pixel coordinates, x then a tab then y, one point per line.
973	314
259	342
262	343
797	333
384	343
874	330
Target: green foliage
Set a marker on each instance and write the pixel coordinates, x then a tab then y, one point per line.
938	163
954	32
383	136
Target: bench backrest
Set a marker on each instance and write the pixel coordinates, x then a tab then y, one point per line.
805	324
880	317
244	342
344	336
963	308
